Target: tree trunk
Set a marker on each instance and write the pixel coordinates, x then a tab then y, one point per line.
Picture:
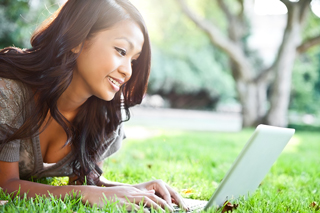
280	92
252	97
281	86
251	84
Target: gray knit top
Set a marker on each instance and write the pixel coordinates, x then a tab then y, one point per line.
13	96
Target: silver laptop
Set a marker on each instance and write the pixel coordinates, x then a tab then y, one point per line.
250	167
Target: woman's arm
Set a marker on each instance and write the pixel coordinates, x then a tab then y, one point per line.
102	181
124	195
11	183
159	187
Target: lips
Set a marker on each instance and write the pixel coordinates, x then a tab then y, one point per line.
116	83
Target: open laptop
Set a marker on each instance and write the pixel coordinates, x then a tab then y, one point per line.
250	167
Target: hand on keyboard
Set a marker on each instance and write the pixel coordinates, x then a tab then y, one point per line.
163	192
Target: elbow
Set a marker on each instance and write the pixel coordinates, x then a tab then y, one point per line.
10	186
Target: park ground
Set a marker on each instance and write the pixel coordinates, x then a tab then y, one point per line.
193	162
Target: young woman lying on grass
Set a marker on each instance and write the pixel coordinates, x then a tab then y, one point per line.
61	103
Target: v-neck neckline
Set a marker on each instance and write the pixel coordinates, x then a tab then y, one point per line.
40	166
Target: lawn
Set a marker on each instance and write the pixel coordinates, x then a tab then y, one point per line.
194	163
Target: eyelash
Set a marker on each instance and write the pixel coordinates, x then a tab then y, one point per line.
122	52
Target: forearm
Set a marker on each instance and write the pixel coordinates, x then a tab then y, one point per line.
101	181
32	189
104	182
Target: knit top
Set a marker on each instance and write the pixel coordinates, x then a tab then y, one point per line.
13	96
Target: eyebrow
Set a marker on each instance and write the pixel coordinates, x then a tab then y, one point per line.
130	43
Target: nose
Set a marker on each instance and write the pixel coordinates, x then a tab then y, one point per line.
126	69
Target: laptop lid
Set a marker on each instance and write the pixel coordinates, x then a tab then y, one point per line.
252	164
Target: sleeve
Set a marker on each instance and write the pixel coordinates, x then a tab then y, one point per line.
10	118
113	143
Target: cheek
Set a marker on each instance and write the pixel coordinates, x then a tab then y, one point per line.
109	63
85	62
89	65
98	62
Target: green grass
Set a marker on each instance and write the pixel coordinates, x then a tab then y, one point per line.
195	162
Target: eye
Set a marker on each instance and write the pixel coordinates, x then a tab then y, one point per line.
122	52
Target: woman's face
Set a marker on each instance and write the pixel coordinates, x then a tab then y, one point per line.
104	64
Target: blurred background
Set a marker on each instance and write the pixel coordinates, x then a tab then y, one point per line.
216	65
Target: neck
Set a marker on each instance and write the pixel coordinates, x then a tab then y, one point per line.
72	98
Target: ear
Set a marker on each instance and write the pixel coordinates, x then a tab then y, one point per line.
77	49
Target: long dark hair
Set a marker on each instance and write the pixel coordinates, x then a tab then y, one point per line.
47	68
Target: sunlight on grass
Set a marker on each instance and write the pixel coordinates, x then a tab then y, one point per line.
293	145
140	132
194	163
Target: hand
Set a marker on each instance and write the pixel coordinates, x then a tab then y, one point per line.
164	191
128	196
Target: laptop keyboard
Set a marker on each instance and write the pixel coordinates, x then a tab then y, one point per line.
194	205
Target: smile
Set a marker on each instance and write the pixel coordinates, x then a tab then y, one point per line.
114	82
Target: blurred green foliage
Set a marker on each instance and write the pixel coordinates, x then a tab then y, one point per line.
305	96
19	18
182	63
185	70
187	63
306	83
11	13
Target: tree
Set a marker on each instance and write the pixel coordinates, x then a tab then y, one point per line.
187	71
19	18
253	85
305	93
10	20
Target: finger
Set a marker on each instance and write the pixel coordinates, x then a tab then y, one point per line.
160	202
164	192
149	195
177	198
150	203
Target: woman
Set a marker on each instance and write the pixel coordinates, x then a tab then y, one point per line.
61	103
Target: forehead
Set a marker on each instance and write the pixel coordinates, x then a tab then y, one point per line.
126	30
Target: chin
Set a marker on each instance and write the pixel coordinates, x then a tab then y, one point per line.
107	97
